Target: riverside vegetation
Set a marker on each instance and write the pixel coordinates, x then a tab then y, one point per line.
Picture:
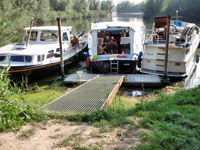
173	119
16	14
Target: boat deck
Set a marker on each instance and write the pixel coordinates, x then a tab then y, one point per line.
130	79
89	97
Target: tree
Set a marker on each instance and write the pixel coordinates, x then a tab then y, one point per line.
151	8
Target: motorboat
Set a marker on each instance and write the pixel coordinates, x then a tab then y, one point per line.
111	48
39	56
183	41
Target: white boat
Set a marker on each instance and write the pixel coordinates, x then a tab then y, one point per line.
118	58
184	39
40	57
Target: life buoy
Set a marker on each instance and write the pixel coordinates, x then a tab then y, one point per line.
88	62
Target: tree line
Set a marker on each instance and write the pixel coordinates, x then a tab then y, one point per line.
16	13
128	7
188	9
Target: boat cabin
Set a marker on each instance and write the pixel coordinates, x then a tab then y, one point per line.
183	41
114	38
46	34
180	34
112	48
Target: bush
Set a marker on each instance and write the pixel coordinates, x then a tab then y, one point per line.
14	112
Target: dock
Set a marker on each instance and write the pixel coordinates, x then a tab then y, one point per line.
96	91
130	79
93	95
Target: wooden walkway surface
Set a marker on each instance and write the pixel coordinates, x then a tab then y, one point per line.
130	79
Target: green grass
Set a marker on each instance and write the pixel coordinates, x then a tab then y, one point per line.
174	120
26	134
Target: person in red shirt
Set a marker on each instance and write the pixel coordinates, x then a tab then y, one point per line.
112	42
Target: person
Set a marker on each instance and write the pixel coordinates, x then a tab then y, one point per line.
54	37
112	42
100	49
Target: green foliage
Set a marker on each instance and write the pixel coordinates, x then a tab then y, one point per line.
151	8
16	14
14	112
174	120
128	7
26	134
188	9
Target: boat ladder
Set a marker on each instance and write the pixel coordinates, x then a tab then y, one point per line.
114	66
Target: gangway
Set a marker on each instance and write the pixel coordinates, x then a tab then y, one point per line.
89	97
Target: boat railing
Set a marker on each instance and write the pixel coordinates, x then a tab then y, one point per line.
150	38
178	40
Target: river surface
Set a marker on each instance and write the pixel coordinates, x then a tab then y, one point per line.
139	25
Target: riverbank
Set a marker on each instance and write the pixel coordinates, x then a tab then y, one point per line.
166	118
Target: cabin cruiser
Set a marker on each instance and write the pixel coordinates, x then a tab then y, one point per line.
40	57
112	48
184	39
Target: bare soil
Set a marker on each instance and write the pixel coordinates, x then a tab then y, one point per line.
53	135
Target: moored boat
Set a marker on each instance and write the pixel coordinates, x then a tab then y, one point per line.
40	57
184	39
112	48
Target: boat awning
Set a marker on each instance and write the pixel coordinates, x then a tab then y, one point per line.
160	21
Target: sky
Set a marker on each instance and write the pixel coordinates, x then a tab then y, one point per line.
135	1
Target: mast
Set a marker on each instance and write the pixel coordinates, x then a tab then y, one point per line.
29	35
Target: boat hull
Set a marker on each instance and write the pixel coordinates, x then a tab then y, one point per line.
35	73
113	67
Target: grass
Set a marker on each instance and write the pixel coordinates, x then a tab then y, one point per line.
174	120
26	134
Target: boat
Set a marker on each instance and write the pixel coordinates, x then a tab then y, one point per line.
119	56
40	57
183	40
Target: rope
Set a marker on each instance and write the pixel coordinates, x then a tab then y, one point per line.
98	67
103	68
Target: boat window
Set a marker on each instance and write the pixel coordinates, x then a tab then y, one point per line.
50	54
113	42
2	58
33	36
40	57
21	58
49	36
65	36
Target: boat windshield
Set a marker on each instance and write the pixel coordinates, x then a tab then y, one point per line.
49	36
33	36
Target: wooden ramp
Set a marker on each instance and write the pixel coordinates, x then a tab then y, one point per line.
130	79
91	96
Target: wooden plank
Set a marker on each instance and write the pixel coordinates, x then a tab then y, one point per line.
113	93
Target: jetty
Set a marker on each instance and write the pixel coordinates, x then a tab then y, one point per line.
96	91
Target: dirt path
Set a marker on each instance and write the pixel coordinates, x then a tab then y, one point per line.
62	134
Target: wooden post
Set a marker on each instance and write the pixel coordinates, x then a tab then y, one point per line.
29	35
61	52
177	15
167	45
